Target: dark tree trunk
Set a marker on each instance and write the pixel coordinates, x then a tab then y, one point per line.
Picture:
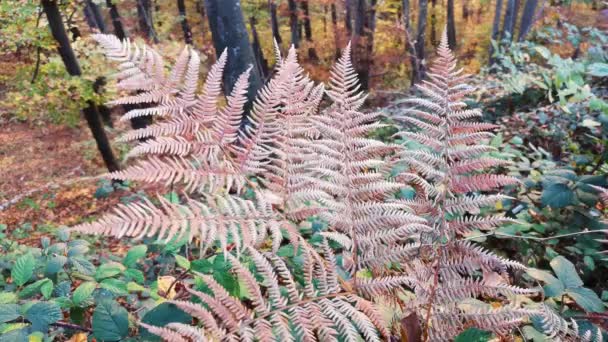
293	23
433	22
527	18
261	62
312	53
409	39
451	25
274	21
495	29
146	23
465	10
348	17
365	22
181	8
201	10
92	10
419	45
119	31
104	111
71	64
229	32
510	16
334	22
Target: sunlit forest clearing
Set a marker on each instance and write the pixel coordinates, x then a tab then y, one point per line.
303	170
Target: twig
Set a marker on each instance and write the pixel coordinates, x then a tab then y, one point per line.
71	326
533	238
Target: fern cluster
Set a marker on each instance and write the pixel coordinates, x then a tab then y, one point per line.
254	184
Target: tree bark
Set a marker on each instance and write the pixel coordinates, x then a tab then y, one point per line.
451	25
419	45
181	8
293	22
119	30
348	17
508	24
312	53
365	23
274	21
527	18
146	23
92	10
433	22
229	32
71	64
261	62
334	22
495	29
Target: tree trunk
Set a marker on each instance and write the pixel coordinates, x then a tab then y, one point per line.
433	22
510	16
348	17
465	10
274	21
419	45
527	18
119	31
92	9
334	22
146	23
451	25
71	64
181	8
365	22
312	53
261	62
293	23
495	28
229	32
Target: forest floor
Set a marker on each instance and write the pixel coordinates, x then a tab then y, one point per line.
47	175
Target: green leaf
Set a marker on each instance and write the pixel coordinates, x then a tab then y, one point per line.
9	312
598	69
110	321
23	269
473	335
116	286
108	270
83	292
557	195
589	262
83	265
33	289
554	287
47	288
586	299
42	314
182	262
8	297
566	272
202	266
135	275
160	316
55	264
134	254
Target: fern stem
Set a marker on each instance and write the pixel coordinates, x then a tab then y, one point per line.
539	239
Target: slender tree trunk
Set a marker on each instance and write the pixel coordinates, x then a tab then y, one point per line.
420	42
261	62
293	23
121	33
465	10
92	9
146	23
71	64
334	22
527	18
510	15
119	30
495	29
274	21
181	8
229	32
348	17
451	25
433	22
365	22
312	53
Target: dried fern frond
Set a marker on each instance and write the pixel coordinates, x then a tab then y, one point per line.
450	170
279	307
216	220
350	170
